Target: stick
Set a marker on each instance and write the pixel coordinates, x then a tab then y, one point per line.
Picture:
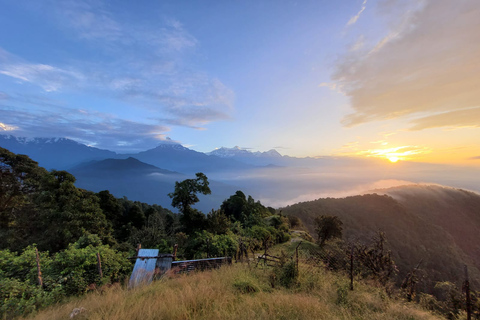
99	266
39	271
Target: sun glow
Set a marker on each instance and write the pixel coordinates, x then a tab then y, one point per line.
395	154
393	159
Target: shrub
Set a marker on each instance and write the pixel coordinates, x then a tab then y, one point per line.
288	274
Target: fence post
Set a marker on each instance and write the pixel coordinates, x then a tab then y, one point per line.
351	268
467	294
39	271
296	253
175	247
99	266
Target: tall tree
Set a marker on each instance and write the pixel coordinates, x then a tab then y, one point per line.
328	227
185	196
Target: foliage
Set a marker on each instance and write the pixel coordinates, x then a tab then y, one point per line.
328	227
218	222
288	274
376	259
245	210
206	245
19	298
185	195
66	273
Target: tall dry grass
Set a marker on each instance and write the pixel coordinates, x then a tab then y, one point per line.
241	292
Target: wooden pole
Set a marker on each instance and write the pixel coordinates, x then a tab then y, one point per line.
39	271
99	266
175	247
139	246
467	294
351	269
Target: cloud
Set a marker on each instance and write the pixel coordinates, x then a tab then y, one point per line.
4	96
145	67
354	19
458	118
92	21
400	153
6	127
426	65
91	128
48	77
89	19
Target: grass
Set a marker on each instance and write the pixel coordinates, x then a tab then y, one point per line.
241	292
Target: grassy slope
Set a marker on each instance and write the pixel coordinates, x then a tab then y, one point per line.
217	294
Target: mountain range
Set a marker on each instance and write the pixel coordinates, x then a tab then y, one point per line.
276	180
433	224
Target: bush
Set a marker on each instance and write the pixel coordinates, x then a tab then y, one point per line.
288	274
246	286
77	266
20	298
67	273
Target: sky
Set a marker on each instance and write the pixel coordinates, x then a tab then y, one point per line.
391	79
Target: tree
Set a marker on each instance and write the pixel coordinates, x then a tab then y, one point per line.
19	180
376	259
185	195
328	227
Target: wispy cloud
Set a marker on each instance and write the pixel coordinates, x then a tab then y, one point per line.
459	118
49	78
148	65
354	19
92	128
421	68
6	127
396	153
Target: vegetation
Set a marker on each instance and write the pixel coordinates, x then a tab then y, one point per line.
69	226
409	221
328	227
242	292
72	228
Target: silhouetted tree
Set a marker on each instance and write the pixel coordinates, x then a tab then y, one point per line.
328	227
185	195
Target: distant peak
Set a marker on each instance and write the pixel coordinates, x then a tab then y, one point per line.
236	151
30	140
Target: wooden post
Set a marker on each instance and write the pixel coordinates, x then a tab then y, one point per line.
39	271
351	269
467	294
99	266
175	247
296	254
139	246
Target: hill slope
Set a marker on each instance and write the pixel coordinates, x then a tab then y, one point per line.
440	226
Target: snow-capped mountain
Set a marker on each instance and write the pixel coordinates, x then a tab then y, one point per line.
271	157
54	153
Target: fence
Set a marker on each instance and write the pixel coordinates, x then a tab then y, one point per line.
150	264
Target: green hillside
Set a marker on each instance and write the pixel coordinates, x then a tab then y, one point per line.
435	225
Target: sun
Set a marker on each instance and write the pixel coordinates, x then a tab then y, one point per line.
393	159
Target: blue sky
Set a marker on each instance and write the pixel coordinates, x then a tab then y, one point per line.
386	78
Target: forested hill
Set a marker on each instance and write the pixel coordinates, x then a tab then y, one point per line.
436	225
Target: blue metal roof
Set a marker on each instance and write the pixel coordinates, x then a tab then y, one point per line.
144	268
